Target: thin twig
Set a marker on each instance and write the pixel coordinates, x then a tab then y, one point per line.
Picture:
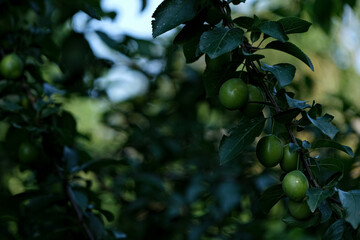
78	212
72	200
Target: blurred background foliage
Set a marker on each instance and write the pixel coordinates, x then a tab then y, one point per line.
146	167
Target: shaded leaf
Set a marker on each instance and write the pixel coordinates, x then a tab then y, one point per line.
171	13
293	103
252	57
9	106
287	116
244	22
107	214
283	72
95	224
332	164
335	231
294	25
214	76
332	144
312	221
325	210
240	137
291	49
351	203
273	29
270	197
220	40
81	199
323	123
190	30
316	196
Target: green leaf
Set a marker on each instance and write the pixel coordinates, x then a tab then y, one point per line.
325	210
270	197
192	50
9	106
190	38
316	196
171	13
95	224
332	144
107	214
190	30
293	103
81	199
244	22
283	72
220	40
294	25
252	57
254	36
351	203
291	221
291	49
335	231
240	137
273	29
287	116
323	123
332	164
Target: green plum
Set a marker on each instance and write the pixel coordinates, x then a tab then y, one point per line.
295	185
269	150
233	93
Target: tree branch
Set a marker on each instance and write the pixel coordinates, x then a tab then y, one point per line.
291	134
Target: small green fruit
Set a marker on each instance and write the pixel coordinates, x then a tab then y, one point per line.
269	151
27	152
290	160
299	210
233	93
295	185
11	66
255	95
